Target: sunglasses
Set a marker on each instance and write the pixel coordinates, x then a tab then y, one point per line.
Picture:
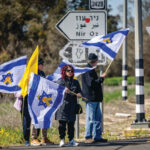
69	70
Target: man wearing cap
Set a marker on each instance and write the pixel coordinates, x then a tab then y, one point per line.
35	132
92	90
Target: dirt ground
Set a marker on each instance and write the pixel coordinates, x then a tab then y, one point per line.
119	126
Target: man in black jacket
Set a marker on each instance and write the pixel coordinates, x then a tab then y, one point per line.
92	90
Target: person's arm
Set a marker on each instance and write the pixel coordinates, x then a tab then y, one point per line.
79	95
102	77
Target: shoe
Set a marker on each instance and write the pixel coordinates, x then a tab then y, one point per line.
73	143
35	142
62	143
27	143
88	141
46	142
100	140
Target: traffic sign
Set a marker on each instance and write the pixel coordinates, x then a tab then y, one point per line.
77	54
83	25
148	29
97	4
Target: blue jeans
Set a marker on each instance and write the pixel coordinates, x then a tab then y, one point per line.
93	127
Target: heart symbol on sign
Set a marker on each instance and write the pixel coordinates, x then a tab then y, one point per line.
87	20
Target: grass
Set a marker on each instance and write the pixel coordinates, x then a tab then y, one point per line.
115	95
115	81
10	136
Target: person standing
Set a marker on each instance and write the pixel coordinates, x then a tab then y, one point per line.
66	114
36	132
92	90
26	119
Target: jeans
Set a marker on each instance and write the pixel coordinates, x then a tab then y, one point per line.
93	127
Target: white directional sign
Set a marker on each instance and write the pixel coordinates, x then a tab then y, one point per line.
76	54
148	30
97	4
83	25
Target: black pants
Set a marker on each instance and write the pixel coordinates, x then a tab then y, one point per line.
26	123
62	129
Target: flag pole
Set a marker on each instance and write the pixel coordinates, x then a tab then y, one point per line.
76	95
108	67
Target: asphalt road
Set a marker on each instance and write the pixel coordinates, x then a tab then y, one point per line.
136	144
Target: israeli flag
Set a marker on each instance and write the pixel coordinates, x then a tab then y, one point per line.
11	73
77	71
44	98
108	44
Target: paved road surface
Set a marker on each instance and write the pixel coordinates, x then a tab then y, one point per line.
136	144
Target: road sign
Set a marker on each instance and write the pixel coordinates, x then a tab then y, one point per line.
97	4
77	54
83	25
148	30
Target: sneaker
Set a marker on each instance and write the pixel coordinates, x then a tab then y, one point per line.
27	143
100	140
46	142
35	142
62	143
89	141
73	143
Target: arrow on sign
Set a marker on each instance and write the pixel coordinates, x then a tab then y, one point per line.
82	25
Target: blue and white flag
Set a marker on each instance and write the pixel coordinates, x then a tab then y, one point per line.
108	44
44	98
77	71
11	73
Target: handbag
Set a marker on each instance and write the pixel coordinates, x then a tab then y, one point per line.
79	109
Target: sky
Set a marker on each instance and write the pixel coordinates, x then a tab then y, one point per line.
115	4
115	9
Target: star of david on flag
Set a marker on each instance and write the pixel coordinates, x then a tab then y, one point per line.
108	44
77	71
11	73
44	98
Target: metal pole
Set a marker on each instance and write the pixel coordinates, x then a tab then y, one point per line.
102	103
139	68
124	56
77	125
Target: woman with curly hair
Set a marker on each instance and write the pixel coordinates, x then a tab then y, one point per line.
66	114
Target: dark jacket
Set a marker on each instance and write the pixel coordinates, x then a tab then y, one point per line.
66	112
41	73
91	86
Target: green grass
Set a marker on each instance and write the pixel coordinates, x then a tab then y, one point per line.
10	136
115	81
115	95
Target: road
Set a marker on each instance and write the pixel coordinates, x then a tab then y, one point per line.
136	144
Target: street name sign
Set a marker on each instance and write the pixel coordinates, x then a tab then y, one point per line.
83	25
78	55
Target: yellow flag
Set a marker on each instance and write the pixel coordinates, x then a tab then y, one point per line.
31	67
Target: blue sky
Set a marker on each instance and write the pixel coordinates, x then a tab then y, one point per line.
115	4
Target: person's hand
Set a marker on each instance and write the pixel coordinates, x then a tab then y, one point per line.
103	75
67	90
79	95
